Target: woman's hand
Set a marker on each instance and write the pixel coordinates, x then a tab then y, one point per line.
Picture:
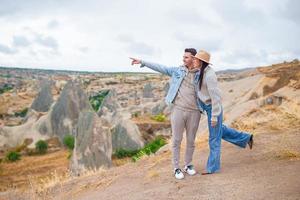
135	61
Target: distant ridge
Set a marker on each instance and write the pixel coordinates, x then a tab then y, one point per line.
230	71
67	71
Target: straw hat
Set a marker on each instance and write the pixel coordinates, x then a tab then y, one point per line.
203	55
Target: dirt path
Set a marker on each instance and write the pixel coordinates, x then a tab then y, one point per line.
269	171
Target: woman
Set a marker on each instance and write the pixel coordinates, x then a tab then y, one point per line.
209	100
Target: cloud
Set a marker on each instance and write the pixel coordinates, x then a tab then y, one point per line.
241	57
238	13
197	41
291	11
7	50
237	33
187	16
83	49
22	8
35	8
47	41
19	40
53	24
136	47
141	48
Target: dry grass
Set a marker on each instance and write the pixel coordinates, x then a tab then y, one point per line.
270	117
287	154
152	174
63	186
147	118
121	161
43	188
39	169
284	73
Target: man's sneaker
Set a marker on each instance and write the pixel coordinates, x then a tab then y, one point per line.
190	170
178	174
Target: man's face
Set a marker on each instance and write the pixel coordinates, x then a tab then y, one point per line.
187	59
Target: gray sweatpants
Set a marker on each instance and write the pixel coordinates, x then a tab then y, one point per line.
184	120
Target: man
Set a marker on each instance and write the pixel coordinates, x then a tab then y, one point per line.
185	114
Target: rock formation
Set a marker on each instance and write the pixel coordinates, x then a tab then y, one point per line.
93	146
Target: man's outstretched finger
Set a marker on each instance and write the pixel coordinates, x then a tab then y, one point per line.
135	61
131	60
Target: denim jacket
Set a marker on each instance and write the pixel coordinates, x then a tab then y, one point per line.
177	74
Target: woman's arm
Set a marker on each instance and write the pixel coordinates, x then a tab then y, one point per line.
215	95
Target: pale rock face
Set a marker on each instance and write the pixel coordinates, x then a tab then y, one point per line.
147	91
44	99
65	113
159	108
166	88
61	120
93	144
15	135
109	106
125	134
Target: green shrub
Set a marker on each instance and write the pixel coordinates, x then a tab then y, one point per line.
135	114
159	118
5	75
148	149
122	153
6	88
41	146
13	156
21	113
97	100
69	141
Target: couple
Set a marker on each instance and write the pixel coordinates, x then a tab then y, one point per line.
194	90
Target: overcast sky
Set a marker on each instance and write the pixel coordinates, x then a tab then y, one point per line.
100	35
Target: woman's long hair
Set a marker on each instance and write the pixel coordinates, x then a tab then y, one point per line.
204	65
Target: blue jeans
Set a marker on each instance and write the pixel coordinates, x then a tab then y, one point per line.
216	133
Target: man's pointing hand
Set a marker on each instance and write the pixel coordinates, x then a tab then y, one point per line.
135	61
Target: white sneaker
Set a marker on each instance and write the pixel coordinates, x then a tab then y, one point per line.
178	174
189	170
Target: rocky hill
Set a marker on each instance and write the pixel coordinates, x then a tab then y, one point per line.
109	113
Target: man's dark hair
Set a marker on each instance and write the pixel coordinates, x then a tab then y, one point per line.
191	50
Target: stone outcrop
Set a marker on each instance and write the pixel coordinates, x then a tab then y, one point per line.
147	91
65	112
125	134
93	146
44	98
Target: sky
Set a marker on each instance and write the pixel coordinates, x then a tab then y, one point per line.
100	35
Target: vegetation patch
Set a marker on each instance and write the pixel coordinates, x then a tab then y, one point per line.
69	141
13	156
5	88
148	149
21	113
41	146
159	117
97	99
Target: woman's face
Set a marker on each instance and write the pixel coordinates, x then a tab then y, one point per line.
197	63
